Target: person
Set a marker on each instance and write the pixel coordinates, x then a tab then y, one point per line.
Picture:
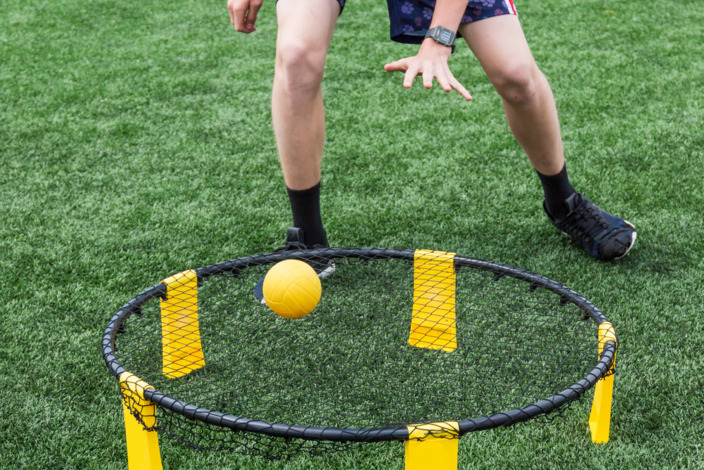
493	32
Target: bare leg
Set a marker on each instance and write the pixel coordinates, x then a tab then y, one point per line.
501	48
304	35
503	52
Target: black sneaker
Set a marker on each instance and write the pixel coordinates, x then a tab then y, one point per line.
603	235
295	241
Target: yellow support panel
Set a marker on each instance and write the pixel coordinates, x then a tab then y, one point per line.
142	443
433	325
600	417
432	446
182	352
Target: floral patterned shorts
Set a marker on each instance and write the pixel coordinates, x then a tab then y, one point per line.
410	19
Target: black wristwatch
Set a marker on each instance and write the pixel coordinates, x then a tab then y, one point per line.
442	35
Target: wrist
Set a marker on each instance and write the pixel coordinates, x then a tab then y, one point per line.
436	48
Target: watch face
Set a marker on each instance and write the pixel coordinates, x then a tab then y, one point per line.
442	35
445	36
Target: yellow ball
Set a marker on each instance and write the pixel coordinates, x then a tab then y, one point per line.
292	288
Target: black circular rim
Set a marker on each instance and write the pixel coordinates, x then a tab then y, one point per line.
361	434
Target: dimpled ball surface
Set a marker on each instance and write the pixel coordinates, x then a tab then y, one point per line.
292	288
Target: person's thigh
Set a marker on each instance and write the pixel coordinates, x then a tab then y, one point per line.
306	28
500	46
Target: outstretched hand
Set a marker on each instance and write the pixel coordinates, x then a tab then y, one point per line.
243	14
430	63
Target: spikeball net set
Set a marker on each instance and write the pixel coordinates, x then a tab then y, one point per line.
404	345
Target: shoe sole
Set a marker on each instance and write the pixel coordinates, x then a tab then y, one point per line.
327	272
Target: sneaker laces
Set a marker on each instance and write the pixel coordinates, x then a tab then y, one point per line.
588	222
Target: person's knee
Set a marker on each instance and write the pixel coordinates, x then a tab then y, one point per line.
518	82
299	67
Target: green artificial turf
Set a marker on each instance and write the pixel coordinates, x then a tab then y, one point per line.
136	142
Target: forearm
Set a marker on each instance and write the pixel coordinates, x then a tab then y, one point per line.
448	13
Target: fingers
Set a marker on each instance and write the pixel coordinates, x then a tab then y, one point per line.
243	14
443	81
448	82
237	11
428	78
429	71
411	68
232	14
459	88
398	66
410	75
252	13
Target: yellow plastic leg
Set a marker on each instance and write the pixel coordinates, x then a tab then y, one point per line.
432	447
433	325
182	352
600	417
142	444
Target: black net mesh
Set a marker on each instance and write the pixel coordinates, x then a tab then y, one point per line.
349	364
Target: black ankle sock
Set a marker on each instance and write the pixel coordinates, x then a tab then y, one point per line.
556	188
305	207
